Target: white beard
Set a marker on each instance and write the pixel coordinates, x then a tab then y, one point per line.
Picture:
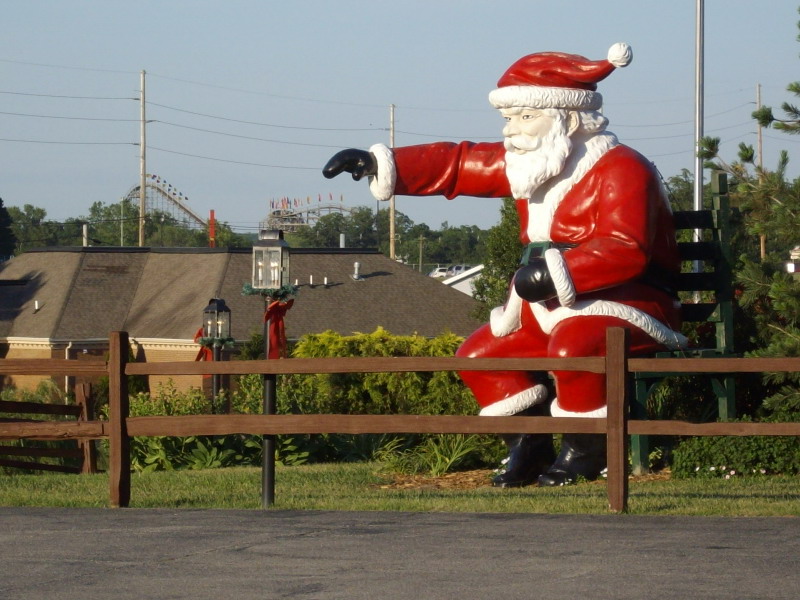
543	159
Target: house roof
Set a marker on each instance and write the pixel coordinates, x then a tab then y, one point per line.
84	293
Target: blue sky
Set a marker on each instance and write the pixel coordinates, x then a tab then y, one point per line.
249	99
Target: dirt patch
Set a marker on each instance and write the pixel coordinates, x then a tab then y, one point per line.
470	480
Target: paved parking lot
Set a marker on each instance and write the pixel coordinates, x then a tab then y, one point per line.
136	553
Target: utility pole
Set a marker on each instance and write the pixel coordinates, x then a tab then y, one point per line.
760	140
142	163
762	239
421	240
391	200
122	222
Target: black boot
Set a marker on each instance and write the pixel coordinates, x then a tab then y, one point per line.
582	455
529	455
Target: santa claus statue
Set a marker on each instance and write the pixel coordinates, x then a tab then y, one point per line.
600	248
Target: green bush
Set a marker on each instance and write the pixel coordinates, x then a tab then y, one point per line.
730	456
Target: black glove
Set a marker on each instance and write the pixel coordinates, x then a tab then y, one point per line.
352	160
533	282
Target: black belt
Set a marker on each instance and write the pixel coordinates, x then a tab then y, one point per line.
537	249
654	276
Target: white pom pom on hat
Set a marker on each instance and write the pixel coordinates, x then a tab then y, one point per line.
620	54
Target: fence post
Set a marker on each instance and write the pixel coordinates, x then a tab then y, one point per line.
617	417
119	449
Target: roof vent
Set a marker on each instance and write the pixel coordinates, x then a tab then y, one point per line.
356	271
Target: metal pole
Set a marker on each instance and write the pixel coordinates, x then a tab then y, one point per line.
698	114
268	445
215	380
391	200
698	125
142	163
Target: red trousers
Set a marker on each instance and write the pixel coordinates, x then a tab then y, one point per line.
580	336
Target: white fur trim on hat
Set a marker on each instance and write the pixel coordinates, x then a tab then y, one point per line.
557	411
382	184
620	54
534	96
560	275
517	403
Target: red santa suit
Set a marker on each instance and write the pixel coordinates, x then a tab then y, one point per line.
608	209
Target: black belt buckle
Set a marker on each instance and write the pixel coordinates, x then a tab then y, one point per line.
537	250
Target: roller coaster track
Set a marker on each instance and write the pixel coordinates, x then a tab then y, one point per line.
164	198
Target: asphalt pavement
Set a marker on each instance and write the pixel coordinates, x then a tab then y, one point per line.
155	553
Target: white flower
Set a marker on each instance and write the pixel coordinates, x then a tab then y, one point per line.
712	468
727	476
733	471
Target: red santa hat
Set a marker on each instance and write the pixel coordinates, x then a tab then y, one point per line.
557	80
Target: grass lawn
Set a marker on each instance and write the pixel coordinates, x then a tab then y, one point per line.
361	486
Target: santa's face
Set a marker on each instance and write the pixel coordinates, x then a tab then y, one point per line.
537	143
525	128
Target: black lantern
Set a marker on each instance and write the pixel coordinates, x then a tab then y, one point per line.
217	321
270	260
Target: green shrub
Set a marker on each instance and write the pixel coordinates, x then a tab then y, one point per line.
730	456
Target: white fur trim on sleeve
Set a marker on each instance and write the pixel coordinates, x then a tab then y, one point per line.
557	411
560	275
515	404
382	184
507	319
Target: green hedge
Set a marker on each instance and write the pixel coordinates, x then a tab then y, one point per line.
732	456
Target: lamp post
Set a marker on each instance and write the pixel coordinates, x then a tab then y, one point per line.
216	333
270	279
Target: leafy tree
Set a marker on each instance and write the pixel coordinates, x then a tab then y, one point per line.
8	240
30	228
503	249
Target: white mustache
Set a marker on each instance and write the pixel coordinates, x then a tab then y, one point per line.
522	142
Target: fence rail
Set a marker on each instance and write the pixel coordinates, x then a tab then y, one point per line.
617	426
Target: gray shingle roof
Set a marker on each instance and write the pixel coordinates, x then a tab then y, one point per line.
84	293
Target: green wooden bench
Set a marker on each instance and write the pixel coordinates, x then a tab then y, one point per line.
706	296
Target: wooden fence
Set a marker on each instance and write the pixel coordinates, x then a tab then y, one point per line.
617	366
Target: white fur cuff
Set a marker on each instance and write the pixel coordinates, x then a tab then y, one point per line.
560	275
507	319
382	184
517	403
557	411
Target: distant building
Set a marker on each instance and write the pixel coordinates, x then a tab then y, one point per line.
464	282
63	302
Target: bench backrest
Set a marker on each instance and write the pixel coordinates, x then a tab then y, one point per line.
705	283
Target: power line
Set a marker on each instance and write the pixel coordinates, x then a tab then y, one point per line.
199	114
69	143
245	137
69	97
235	162
14	114
33	64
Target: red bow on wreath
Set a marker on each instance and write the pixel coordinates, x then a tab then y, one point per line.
277	332
204	353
